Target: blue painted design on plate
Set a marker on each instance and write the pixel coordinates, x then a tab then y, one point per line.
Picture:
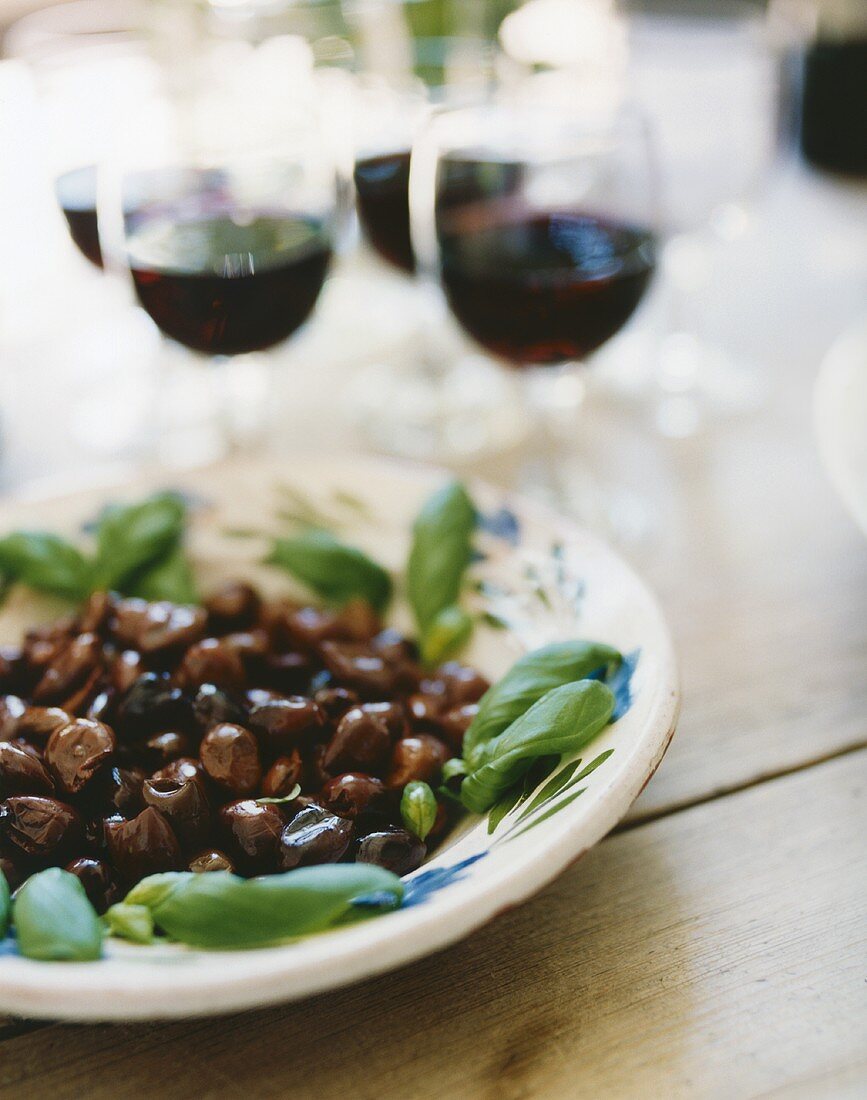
502	524
621	683
421	887
381	901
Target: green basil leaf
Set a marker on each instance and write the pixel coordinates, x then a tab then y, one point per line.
506	804
130	922
156	888
440	553
336	572
221	910
454	768
45	562
554	808
551	788
171	579
290	797
449	632
131	537
418	808
560	722
5	905
54	920
531	677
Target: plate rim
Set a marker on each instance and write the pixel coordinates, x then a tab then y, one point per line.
51	993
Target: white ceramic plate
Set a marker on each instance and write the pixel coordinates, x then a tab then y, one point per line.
840	407
546	578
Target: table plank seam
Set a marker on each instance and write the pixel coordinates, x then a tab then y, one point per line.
639	819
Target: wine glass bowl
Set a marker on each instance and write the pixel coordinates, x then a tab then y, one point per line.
538	224
537	220
219	261
219	207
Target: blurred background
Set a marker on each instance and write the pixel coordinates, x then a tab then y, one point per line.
264	225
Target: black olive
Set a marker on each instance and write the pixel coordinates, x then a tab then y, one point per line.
152	704
38	723
212	661
213	705
363	738
283	723
358	666
314	835
336	701
397	850
101	705
185	767
253	833
162	748
463	684
156	627
115	790
232	607
21	772
143	846
184	805
420	756
98	881
352	793
11	710
230	756
75	752
69	669
287	672
39	826
283	775
212	859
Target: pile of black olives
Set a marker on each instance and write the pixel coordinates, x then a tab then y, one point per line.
141	737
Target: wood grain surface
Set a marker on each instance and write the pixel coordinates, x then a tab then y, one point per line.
717	952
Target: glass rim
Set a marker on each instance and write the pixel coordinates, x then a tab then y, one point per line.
471	122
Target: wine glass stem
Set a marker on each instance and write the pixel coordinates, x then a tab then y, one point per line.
555	396
246	384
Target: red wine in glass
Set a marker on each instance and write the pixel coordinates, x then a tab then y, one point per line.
225	281
382	191
382	199
76	193
541	287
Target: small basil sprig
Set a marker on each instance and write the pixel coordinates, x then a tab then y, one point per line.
283	799
54	920
5	905
441	551
45	562
418	808
560	722
169	579
221	910
334	571
131	538
130	922
531	677
447	634
139	551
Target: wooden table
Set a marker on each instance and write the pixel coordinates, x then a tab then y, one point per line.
714	946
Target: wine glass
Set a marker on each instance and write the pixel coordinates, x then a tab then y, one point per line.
221	209
402	405
538	222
